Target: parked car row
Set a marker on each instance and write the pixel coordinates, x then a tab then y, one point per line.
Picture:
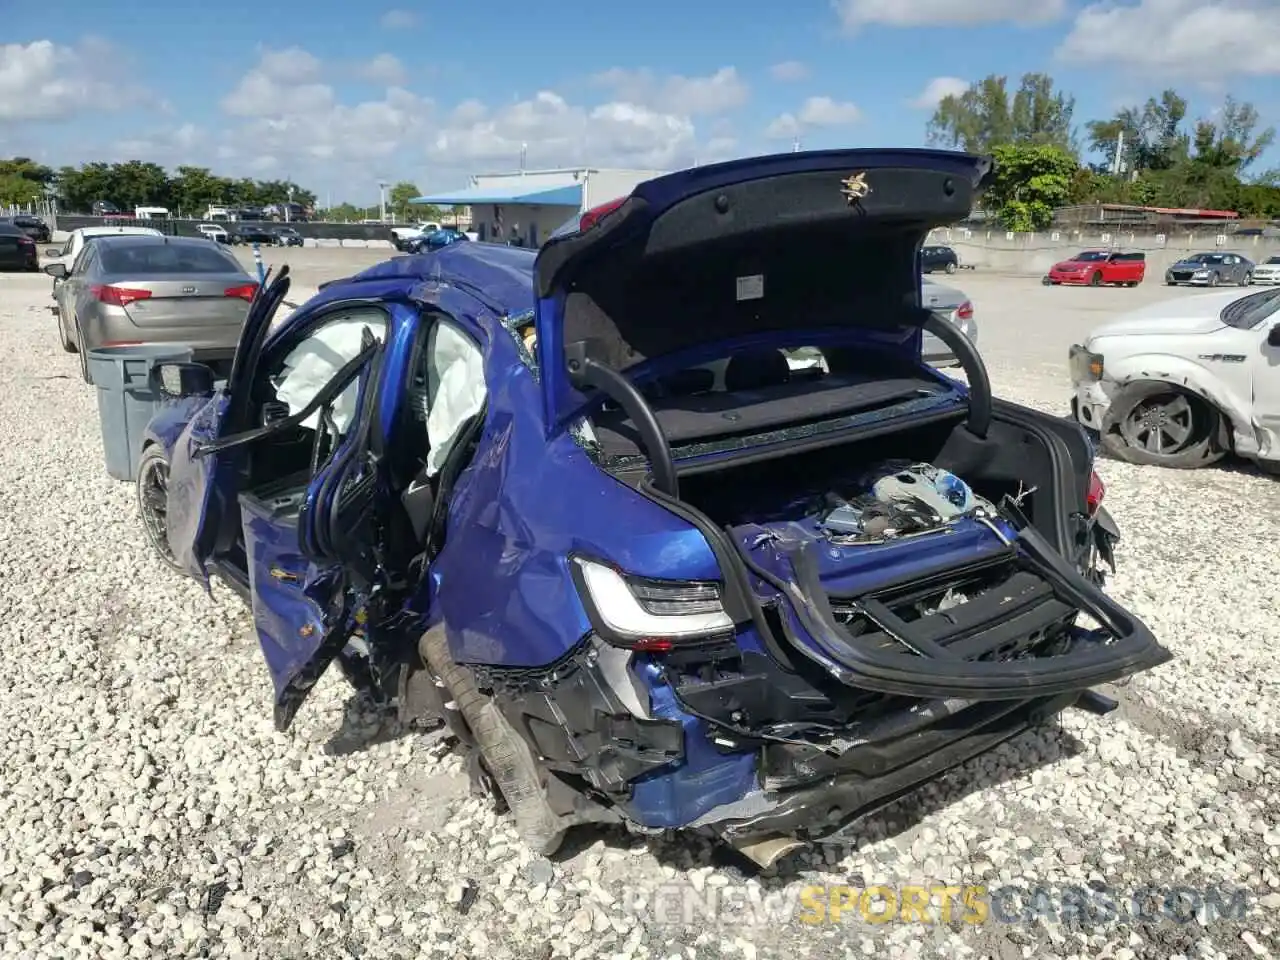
238	233
1097	268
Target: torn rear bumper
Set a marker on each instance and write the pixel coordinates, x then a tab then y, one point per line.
835	792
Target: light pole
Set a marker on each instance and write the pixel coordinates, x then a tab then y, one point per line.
382	200
288	210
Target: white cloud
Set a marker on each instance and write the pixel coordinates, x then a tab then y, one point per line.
720	92
45	81
854	14
284	83
1200	39
783	127
825	112
288	117
555	132
937	90
789	71
385	69
398	19
814	113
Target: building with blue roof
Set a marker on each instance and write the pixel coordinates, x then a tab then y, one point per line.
526	206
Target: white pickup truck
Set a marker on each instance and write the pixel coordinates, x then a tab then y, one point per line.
1184	382
401	236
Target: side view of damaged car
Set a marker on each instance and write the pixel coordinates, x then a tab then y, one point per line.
580	506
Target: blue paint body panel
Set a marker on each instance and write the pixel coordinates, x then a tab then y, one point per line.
529	498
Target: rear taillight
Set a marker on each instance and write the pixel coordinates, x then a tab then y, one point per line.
1097	490
596	214
245	291
118	296
964	311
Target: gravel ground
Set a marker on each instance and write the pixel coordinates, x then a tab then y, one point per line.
149	809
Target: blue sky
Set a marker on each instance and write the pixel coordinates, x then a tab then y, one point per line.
337	96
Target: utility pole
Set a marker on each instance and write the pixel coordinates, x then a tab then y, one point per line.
524	152
1119	164
795	145
382	200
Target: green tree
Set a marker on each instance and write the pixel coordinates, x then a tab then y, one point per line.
136	183
194	189
344	212
1029	182
1152	135
985	115
399	198
1232	142
27	169
16	190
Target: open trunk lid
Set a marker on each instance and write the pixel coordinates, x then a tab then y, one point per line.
715	254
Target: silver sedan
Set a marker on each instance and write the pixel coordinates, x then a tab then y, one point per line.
132	290
956	307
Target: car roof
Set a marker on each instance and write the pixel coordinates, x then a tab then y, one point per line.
118	231
144	239
499	276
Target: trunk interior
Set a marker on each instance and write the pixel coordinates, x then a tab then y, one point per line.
899	538
1013	459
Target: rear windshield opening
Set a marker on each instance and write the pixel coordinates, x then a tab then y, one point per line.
166	258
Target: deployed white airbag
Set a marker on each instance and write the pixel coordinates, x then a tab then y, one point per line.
455	389
315	361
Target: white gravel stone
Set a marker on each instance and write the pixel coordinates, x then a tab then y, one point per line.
142	781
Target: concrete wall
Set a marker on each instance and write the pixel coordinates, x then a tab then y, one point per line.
535	222
1034	253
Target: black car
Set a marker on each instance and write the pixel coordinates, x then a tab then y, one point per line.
33	227
250	233
938	258
287	237
17	249
104	208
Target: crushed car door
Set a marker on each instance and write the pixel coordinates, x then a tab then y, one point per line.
203	465
310	600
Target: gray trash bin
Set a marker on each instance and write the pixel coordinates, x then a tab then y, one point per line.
128	396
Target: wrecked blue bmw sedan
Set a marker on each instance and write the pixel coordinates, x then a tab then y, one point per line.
668	521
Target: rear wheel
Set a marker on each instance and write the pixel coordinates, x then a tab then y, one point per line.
153	502
68	343
1096	280
1158	425
84	354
